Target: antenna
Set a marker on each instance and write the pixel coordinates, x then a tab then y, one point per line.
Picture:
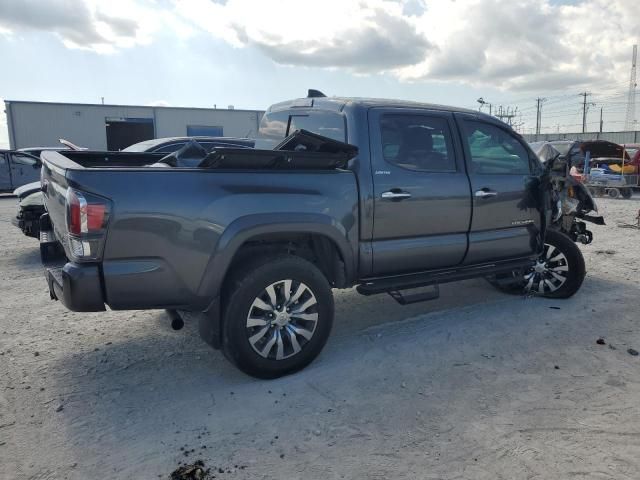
629	122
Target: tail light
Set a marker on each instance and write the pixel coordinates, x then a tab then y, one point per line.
87	218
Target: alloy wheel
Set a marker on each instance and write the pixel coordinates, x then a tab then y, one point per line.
549	273
282	319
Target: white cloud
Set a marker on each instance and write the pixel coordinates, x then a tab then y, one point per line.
514	45
372	36
103	27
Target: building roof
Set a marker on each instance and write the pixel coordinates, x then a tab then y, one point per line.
131	106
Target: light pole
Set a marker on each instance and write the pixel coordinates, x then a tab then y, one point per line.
482	103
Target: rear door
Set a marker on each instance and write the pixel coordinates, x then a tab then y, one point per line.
506	219
422	205
24	169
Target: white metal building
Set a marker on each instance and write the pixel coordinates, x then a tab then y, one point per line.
113	127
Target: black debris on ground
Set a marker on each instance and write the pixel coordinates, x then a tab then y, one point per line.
195	471
556	367
633	352
601	341
555	308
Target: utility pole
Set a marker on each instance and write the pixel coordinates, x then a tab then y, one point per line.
600	119
539	102
584	110
507	114
629	122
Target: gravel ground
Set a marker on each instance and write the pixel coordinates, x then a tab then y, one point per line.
476	385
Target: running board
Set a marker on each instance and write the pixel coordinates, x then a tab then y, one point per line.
408	298
373	286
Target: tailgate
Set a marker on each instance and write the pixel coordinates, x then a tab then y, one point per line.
54	190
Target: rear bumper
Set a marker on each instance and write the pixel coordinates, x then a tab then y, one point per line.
78	287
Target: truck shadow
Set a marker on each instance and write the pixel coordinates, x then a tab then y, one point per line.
27	259
161	390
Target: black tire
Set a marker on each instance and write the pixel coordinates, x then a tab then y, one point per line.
244	289
626	193
573	260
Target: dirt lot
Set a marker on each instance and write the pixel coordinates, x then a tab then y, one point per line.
477	385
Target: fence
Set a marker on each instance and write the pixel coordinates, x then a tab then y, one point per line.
615	137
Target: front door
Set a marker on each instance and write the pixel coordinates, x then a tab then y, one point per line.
506	218
422	205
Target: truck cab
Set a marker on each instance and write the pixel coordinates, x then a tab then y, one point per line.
440	187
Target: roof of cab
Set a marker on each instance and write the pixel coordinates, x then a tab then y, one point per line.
340	103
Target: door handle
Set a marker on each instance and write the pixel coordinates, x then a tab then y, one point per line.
391	195
485	193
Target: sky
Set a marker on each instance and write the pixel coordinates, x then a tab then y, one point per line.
252	53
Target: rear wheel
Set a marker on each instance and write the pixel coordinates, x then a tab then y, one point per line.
613	192
278	316
557	273
626	192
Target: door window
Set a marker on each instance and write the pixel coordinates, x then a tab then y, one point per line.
417	142
495	151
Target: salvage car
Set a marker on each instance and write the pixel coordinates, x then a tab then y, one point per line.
17	168
389	196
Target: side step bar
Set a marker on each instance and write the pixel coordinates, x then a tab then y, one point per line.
408	298
396	283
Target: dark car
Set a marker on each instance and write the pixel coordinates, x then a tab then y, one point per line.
389	196
17	168
172	144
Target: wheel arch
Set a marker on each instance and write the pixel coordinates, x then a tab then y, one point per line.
262	232
265	229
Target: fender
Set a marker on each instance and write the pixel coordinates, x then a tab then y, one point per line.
244	228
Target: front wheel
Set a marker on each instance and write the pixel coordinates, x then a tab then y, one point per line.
278	316
557	273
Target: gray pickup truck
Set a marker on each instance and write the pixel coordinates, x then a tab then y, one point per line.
401	197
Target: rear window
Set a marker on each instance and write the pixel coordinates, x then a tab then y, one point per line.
326	124
275	126
417	142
